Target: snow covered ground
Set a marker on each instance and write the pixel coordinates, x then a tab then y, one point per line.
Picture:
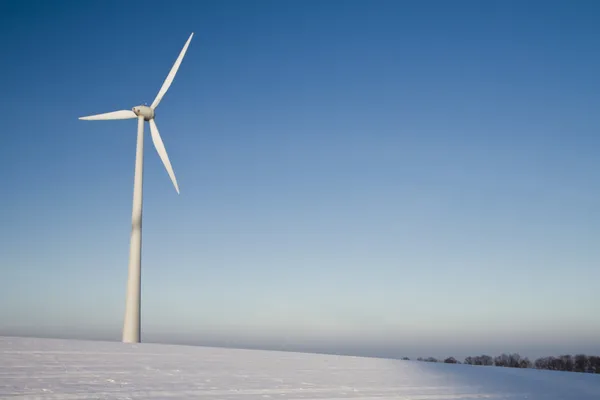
65	369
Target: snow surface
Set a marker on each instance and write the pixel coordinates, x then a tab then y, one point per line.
69	369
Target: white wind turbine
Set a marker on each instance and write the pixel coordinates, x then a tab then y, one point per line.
131	324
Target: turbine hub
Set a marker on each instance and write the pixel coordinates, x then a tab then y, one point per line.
144	111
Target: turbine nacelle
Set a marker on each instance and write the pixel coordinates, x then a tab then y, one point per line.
144	111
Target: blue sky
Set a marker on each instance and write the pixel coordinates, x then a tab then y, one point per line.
387	177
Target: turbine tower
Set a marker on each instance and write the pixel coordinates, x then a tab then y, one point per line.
132	321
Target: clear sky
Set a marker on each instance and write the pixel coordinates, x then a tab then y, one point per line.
375	177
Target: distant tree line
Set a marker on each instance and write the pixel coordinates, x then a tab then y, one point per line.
577	363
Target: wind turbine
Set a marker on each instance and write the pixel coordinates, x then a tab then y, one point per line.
132	322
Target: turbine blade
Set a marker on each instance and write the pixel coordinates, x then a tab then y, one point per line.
122	114
162	152
171	75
